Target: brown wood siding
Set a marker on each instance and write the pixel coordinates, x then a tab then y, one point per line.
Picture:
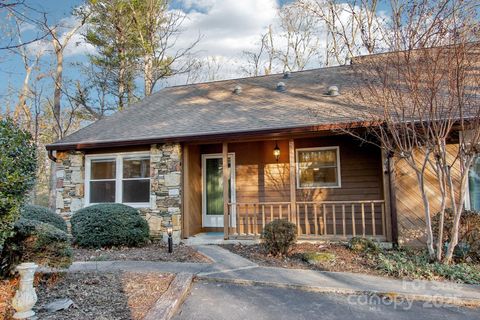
193	202
410	209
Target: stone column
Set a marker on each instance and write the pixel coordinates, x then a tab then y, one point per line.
165	169
70	183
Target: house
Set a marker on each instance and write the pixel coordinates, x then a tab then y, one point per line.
275	141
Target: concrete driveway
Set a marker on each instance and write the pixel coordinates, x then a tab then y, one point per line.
212	300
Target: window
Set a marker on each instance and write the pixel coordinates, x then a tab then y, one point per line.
122	178
473	199
318	168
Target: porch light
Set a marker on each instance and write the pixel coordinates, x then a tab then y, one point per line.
170	240
276	152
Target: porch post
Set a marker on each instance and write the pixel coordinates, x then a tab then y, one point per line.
293	194
225	189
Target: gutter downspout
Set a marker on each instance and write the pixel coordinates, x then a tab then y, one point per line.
51	156
393	198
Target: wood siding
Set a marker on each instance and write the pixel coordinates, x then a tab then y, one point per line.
261	179
410	209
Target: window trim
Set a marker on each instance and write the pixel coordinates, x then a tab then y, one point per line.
118	157
467	205
339	175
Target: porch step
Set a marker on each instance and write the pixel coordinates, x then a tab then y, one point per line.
214	238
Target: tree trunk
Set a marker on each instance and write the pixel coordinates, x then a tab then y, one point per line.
428	222
457	215
148	74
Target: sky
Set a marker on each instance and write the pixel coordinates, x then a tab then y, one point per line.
226	27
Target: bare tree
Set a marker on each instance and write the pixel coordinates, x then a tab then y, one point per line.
21	13
421	97
352	27
261	61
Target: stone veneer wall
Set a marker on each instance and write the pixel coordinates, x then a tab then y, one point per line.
165	197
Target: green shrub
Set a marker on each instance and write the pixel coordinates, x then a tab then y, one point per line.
106	225
38	242
358	244
43	214
278	237
17	174
416	265
316	257
468	233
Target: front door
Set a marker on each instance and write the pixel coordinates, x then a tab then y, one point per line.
212	169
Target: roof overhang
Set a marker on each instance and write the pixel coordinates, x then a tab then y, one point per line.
205	137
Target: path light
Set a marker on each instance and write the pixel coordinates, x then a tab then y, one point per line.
170	240
276	151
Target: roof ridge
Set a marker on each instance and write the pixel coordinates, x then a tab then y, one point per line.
251	77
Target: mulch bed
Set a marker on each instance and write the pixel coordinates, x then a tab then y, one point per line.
121	295
156	251
7	291
344	259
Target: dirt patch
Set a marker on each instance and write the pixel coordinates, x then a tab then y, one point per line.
156	251
121	295
337	257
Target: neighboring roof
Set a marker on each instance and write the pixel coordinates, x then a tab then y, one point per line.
183	113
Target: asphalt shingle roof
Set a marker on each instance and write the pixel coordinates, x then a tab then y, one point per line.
204	109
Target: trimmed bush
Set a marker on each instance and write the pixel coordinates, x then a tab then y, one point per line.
17	174
43	214
38	242
279	236
358	244
107	225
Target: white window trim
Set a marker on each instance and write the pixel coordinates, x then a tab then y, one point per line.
118	176
339	175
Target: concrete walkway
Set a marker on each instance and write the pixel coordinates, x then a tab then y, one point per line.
231	268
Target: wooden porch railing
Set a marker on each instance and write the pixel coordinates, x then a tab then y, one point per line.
314	219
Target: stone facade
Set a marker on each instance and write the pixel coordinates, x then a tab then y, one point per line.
70	183
165	188
165	191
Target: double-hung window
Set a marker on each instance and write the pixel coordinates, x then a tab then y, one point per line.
318	168
121	178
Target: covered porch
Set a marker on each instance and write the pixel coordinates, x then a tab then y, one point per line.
330	186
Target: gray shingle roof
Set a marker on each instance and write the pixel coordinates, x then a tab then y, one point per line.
204	109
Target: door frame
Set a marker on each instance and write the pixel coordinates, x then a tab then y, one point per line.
205	156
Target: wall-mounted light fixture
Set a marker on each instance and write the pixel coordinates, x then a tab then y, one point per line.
276	152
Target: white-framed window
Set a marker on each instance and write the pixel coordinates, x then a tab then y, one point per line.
472	200
318	168
121	178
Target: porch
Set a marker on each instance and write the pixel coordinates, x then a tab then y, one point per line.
353	200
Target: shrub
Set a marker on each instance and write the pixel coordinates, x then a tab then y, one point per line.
468	233
43	214
38	242
358	244
106	225
318	257
279	236
17	174
416	265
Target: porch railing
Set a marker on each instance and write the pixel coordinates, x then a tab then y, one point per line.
314	219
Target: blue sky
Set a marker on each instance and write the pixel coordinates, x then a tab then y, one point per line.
227	27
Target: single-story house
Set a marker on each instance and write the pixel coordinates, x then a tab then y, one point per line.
230	156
